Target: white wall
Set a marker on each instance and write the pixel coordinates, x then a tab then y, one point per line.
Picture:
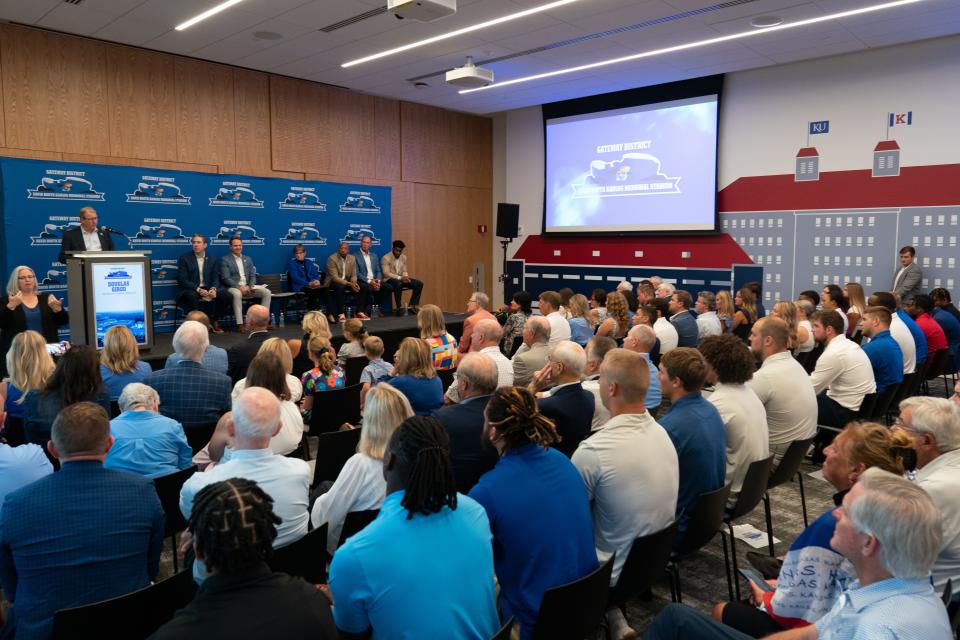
764	119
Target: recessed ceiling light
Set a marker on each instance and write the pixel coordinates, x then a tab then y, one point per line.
458	32
765	22
206	14
267	35
698	43
420	85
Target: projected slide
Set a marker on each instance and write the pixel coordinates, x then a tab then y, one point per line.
119	298
646	168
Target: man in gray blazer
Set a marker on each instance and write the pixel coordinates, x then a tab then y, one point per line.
341	278
239	276
908	281
532	354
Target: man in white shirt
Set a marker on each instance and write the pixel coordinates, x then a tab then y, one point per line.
708	322
254	420
86	237
486	340
239	275
791	408
629	467
898	329
596	349
934	426
550	308
843	375
666	332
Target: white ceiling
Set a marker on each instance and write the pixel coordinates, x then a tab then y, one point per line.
305	52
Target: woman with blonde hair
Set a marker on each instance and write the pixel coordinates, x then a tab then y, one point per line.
24	307
120	362
433	331
579	310
30	365
618	318
826	573
325	375
414	376
787	311
360	485
314	323
278	347
746	313
725	310
857	301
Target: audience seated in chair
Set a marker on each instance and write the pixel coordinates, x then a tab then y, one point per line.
688	332
934	426
326	374
233	528
641	339
843	375
19	466
563	399
550	308
81	535
386	579
314	323
791	408
214	358
629	467
695	427
444	348
120	362
29	365
413	375
376	367
145	442
729	367
254	420
360	486
889	530
471	457
532	354
191	394
919	307
596	349
354	333
898	329
882	350
537	505
240	354
486	340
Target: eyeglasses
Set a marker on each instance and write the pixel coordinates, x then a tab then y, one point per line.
30	277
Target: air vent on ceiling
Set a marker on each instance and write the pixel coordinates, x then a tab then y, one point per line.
73	1
602	34
349	21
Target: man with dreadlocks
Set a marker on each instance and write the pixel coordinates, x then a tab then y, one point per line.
233	528
537	506
630	469
424	567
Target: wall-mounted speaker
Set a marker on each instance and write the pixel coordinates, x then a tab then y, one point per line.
508	220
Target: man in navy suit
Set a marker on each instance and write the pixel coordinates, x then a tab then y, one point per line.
368	272
238	274
79	536
567	403
198	279
476	379
86	237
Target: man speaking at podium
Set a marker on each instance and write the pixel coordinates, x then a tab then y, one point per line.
86	237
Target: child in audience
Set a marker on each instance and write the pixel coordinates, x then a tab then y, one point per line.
378	367
355	333
326	374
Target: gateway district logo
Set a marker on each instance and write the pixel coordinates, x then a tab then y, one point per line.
303	198
237	229
359	202
60	184
155	190
236	194
305	233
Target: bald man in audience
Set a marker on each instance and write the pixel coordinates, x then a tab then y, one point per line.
486	340
567	403
791	408
641	339
240	355
596	349
629	467
532	354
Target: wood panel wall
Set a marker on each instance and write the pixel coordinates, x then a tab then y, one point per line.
79	100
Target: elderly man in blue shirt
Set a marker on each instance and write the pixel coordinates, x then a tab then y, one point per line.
145	442
890	530
884	352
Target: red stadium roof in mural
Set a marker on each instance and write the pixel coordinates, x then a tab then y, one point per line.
886	145
807	152
718	251
928	186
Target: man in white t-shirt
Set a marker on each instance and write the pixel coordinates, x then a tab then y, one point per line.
550	308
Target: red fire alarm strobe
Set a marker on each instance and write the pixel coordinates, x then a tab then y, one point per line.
481	228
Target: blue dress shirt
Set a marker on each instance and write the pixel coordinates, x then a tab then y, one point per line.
425	394
214	359
114	383
424	577
951	328
148	444
696	429
19	466
542	528
81	535
654	397
918	338
580	331
887	360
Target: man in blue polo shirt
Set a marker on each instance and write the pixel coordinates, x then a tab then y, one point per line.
695	427
424	567
537	505
885	355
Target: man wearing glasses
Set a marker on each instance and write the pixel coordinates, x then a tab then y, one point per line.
305	277
86	237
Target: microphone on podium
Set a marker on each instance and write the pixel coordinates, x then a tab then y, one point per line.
106	229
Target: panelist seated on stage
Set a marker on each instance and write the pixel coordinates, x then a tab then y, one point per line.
86	237
394	267
238	274
368	271
198	279
306	277
341	278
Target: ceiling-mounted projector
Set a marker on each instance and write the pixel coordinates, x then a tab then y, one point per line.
422	10
470	76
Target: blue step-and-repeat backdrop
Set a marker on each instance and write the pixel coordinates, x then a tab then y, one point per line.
158	210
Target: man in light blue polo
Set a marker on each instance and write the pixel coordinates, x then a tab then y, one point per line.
424	567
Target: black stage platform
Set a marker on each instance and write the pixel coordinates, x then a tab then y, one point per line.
389	329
